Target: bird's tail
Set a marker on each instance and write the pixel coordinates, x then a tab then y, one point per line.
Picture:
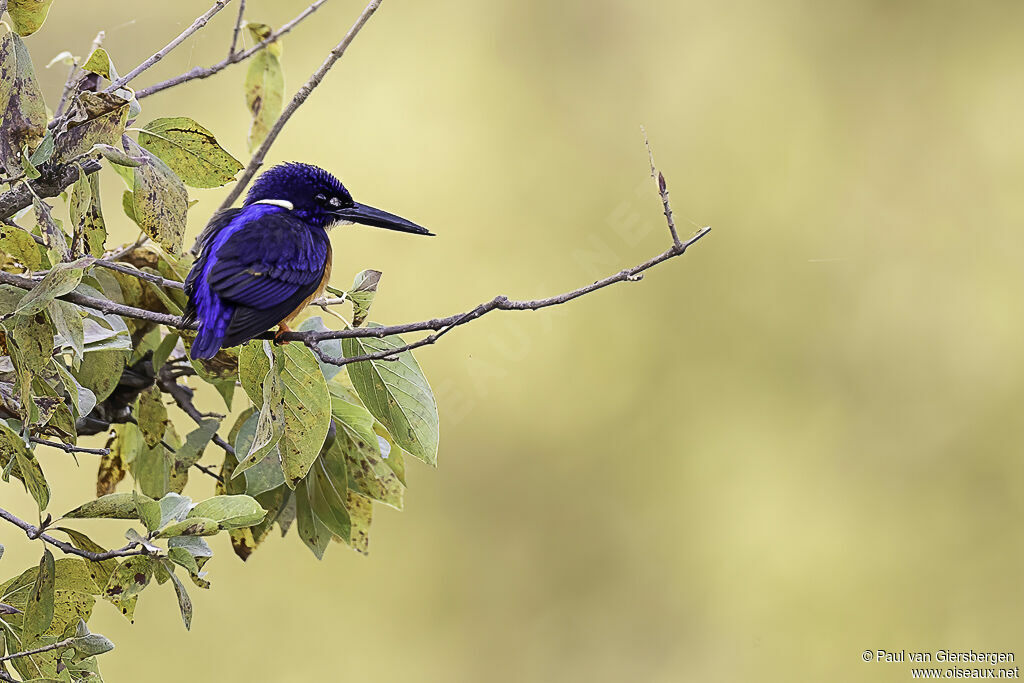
206	344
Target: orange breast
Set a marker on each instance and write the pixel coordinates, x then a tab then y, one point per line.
319	290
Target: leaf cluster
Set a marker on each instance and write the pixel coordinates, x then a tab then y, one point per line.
308	445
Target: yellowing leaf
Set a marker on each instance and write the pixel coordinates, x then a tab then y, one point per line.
28	15
264	86
189	150
159	200
22	109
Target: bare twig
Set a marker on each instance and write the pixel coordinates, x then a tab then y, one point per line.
67	642
240	56
300	97
238	28
7	678
659	178
182	396
68	448
35	532
160	54
498	303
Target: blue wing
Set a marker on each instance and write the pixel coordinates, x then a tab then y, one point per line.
257	266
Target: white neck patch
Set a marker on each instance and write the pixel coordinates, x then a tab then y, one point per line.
283	203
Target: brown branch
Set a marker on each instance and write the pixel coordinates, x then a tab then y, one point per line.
49	184
35	532
160	54
241	56
300	97
68	448
67	642
659	178
498	303
238	28
182	396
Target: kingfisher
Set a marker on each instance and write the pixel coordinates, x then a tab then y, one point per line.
260	265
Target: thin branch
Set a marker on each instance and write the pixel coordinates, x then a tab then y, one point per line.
300	97
68	448
498	303
48	185
35	532
659	178
7	678
153	59
182	395
102	305
241	56
238	28
67	642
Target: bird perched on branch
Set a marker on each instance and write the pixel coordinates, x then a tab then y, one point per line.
261	264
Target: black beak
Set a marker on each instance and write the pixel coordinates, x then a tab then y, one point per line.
367	215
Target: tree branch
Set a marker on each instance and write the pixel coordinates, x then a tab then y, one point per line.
47	185
498	303
182	395
35	532
68	448
153	59
659	178
300	97
238	28
67	642
235	58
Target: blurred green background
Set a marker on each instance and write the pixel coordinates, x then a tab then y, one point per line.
797	442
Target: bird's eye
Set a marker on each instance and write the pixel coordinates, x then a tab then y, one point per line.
321	198
335	202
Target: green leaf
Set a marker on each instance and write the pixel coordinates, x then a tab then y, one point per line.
82	399
183	558
195	546
331	347
191	451
164	351
360	510
327	491
22	109
184	602
229	512
364	289
120	159
101	371
92	227
28	15
255	359
18	244
30	344
44	151
152	416
160	201
131	576
53	237
61	279
99	63
307	410
312	531
110	506
67	322
265	475
31	172
92	644
39	608
95	120
396	393
190	151
149	510
23	465
264	86
173	508
191	526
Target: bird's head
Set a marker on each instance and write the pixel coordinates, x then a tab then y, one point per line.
318	198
